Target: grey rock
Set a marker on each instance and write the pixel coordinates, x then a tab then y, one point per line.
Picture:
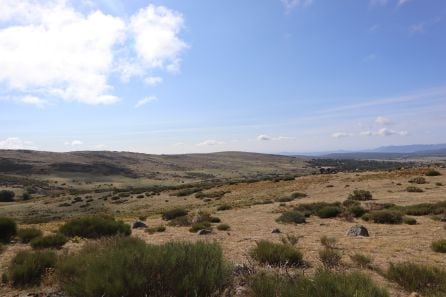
358	230
276	230
204	231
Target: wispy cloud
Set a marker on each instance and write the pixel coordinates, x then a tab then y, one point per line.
422	27
341	135
15	143
153	80
384	132
75	142
33	100
264	137
210	142
290	5
144	101
383	121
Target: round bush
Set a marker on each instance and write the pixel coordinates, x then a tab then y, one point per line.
174	213
276	254
6	196
360	195
432	172
223	227
439	246
28	234
328	212
8	229
357	211
409	221
94	227
293	217
27	268
386	217
50	241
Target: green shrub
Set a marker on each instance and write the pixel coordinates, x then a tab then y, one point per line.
409	220
94	227
285	199
174	213
424	279
8	229
200	226
223	227
360	195
413	189
50	241
432	172
28	234
6	196
418	180
298	195
425	209
323	284
224	207
214	219
439	246
156	229
27	268
357	210
312	208
330	258
328	242
291	217
328	212
139	270
180	221
361	260
386	217
276	254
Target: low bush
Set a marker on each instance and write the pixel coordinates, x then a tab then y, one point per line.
323	283
214	219
409	220
217	194
223	227
330	258
418	180
361	260
276	254
224	207
360	195
94	227
298	195
432	172
174	213
6	196
357	210
157	229
180	221
50	241
8	229
424	279
312	208
28	234
438	184
140	270
200	226
423	209
28	267
328	212
291	217
386	217
328	242
285	199
439	246
413	189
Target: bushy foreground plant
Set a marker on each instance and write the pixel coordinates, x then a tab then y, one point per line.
439	246
361	260
174	213
94	227
8	229
329	212
27	268
127	267
360	195
291	217
323	284
55	241
28	234
385	217
276	254
424	279
432	172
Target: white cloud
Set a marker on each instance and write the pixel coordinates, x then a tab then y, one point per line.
49	48
75	142
341	135
384	132
153	80
289	5
15	143
402	2
366	133
33	100
144	101
210	142
264	137
383	121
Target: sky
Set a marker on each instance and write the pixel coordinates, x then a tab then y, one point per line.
197	76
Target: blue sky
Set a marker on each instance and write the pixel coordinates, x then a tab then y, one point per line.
203	76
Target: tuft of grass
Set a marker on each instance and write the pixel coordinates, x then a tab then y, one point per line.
418	180
328	242
276	254
439	246
385	217
8	229
200	226
330	258
223	227
180	221
329	212
361	260
413	189
50	241
94	227
424	279
138	269
28	267
224	207
291	217
323	283
409	220
28	234
360	195
156	229
174	213
432	172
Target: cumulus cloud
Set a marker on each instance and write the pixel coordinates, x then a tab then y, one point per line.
50	48
15	143
264	137
144	101
341	135
210	142
383	121
75	142
153	80
33	100
289	5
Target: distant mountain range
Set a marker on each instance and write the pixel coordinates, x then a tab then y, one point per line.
384	152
